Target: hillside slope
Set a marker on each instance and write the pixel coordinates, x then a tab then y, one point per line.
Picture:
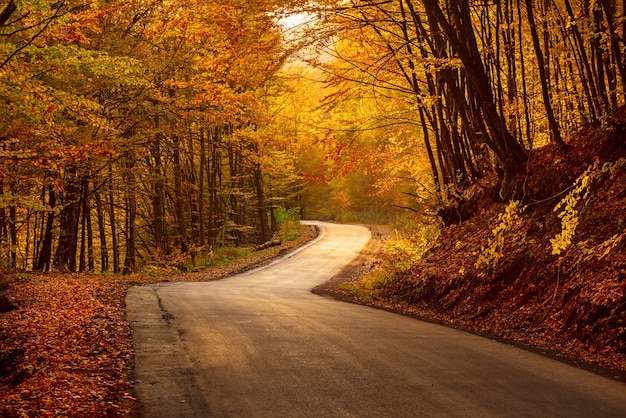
571	305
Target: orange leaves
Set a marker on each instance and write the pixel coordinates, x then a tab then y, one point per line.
66	350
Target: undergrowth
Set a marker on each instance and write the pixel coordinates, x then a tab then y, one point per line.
396	256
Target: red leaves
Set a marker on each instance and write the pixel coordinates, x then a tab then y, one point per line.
65	351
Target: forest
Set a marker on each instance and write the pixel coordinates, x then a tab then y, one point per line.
146	132
141	138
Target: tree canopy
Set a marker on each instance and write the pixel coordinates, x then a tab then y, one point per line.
145	132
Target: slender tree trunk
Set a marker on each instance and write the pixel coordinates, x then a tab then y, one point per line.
91	258
82	258
555	131
179	197
91	263
44	254
159	224
113	223
598	54
104	252
413	81
608	6
201	176
191	186
84	204
595	108
131	214
429	150
214	184
509	41
236	190
264	227
13	229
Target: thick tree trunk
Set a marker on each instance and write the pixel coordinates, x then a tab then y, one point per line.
461	37
65	255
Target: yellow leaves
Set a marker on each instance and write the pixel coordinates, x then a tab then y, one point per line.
493	252
568	206
569	222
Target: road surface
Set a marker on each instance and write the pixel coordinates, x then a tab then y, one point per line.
260	344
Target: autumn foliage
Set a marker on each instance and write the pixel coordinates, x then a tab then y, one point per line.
69	348
133	132
149	136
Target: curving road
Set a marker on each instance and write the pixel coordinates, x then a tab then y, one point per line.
260	344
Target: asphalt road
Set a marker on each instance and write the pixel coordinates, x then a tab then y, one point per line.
261	344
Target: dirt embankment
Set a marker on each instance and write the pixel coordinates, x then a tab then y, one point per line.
570	305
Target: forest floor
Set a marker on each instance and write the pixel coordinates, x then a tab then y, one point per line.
65	345
571	305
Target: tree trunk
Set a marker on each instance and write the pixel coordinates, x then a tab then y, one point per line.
609	11
159	224
65	255
214	185
91	262
82	263
463	42
597	50
202	170
191	186
44	254
104	252
131	214
264	227
112	221
555	132
587	77
179	197
237	203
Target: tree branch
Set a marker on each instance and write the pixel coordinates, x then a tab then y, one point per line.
7	12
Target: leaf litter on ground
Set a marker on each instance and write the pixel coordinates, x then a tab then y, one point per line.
66	348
